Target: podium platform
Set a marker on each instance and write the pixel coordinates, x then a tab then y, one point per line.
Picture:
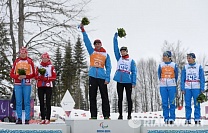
101	126
134	126
107	126
33	128
175	129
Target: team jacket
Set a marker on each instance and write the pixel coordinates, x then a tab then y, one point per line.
49	76
192	77
126	67
167	74
98	60
26	64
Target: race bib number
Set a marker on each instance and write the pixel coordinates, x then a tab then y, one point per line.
97	60
23	65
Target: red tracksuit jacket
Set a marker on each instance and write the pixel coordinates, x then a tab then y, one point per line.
26	64
50	75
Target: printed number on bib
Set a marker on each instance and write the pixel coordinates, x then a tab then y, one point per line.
191	77
123	67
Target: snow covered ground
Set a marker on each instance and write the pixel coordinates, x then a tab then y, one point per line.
141	122
59	114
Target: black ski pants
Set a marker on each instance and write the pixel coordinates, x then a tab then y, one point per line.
128	89
94	84
45	106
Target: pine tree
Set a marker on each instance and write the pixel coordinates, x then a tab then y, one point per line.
80	66
82	100
69	71
57	89
135	97
86	89
4	61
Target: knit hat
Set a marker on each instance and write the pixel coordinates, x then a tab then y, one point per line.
23	50
97	41
192	55
167	53
124	48
45	55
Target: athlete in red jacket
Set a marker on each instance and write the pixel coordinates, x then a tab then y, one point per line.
44	84
22	83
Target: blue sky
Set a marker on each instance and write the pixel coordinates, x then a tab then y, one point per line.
148	24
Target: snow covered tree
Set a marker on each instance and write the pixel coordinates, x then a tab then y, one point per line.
142	85
58	93
41	24
114	103
80	68
69	71
152	82
86	89
5	80
135	98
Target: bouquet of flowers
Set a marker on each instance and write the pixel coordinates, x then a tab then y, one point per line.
21	71
85	21
201	98
121	32
42	71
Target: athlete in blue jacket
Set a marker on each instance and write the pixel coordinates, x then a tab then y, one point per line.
99	75
125	76
192	84
168	76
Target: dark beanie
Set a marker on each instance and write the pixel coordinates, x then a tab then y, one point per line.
192	55
124	48
167	53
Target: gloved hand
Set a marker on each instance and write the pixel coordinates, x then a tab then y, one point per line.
81	26
21	77
45	79
41	78
116	35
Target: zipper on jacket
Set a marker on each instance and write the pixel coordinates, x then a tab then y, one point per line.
96	72
191	85
166	78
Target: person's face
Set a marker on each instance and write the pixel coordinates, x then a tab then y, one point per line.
97	45
166	59
23	55
44	59
123	52
190	60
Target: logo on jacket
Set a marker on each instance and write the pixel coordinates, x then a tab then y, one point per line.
48	84
191	67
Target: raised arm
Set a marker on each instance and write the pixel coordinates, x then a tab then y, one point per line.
86	40
115	45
